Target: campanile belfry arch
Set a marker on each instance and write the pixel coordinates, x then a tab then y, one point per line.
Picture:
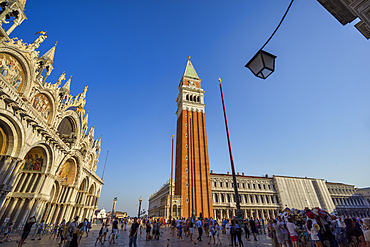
192	147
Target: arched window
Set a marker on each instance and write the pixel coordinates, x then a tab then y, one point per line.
251	198
222	198
216	198
259	186
198	99
267	199
256	199
65	127
228	198
272	199
246	198
191	97
187	97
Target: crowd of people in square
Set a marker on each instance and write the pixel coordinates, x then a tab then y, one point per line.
292	228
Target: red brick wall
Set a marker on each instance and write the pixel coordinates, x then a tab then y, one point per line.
202	184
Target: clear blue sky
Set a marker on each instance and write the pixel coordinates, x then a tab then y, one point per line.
311	117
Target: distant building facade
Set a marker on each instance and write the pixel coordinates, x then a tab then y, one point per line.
48	156
266	197
365	192
160	202
101	214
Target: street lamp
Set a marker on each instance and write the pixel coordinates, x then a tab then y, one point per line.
263	63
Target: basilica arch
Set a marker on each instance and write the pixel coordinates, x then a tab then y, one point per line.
42	127
27	184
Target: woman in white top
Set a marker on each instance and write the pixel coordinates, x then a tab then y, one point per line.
313	228
227	229
367	231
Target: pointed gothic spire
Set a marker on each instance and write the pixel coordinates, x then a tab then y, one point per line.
22	4
190	71
67	85
85	122
99	142
91	132
50	53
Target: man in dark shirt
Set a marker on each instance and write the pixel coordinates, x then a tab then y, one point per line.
133	232
254	229
114	231
26	230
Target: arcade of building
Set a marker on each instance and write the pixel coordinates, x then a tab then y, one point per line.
48	155
266	197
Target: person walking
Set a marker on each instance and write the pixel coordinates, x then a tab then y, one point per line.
60	229
71	227
239	233
114	231
55	231
63	235
254	229
39	231
292	228
217	232
279	235
76	235
200	229
26	230
211	233
180	232
227	230
100	237
246	229
191	229
133	233
148	228
7	232
233	233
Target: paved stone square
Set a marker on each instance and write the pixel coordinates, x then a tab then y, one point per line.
165	240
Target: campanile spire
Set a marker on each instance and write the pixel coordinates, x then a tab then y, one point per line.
192	176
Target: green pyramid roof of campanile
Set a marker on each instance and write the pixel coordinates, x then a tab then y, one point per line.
190	71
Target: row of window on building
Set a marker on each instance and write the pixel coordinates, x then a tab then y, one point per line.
244	185
245	198
348	201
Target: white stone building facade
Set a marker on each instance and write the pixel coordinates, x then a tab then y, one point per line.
266	197
48	156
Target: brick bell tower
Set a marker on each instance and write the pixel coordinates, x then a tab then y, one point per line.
192	147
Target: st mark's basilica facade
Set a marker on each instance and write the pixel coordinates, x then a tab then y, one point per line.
48	155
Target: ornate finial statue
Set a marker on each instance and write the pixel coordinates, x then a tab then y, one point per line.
61	78
83	95
39	40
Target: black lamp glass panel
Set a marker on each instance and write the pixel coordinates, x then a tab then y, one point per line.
262	64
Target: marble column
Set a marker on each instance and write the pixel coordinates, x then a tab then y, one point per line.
3	207
11	207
